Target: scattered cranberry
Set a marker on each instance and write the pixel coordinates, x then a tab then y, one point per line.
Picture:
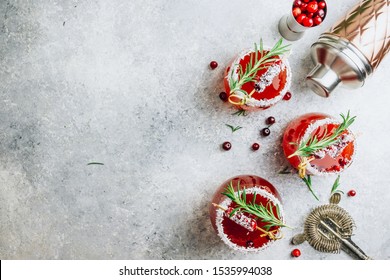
295	253
270	120
249	243
317	20
213	64
223	96
321	13
255	146
321	5
287	96
308	22
300	18
265	131
352	193
312	7
296	12
226	146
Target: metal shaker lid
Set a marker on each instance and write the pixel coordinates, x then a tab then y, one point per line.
337	62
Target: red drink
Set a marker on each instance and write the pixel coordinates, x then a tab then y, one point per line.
270	86
234	234
333	159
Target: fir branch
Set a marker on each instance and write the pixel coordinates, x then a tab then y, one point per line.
313	144
234	129
307	180
264	213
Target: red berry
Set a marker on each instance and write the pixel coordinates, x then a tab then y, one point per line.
297	3
296	12
255	146
213	64
303	7
226	146
295	253
270	120
309	15
352	193
317	20
265	131
321	4
308	22
223	96
300	18
287	96
312	7
321	13
306	1
249	243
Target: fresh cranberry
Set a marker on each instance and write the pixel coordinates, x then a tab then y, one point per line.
265	131
312	7
287	96
223	95
296	12
213	64
303	7
297	3
300	18
308	22
321	13
249	243
295	253
317	20
255	146
321	5
352	193
270	120
306	1
226	146
309	15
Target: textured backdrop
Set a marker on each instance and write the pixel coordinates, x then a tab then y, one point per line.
127	84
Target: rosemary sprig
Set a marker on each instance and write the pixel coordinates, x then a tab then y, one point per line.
240	112
265	213
336	184
256	63
313	144
307	180
234	129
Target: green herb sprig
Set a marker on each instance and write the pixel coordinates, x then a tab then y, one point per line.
240	112
307	180
256	63
313	144
234	129
335	186
264	213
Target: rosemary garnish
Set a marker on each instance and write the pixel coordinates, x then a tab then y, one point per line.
258	60
264	213
240	112
234	129
336	184
313	144
307	148
307	180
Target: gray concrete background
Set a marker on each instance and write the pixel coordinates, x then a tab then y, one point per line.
127	83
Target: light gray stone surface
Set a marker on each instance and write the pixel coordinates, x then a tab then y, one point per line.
127	83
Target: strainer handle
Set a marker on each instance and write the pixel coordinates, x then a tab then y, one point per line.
352	247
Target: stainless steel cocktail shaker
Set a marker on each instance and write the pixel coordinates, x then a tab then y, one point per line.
352	49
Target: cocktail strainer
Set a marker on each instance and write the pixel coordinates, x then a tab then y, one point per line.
328	228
